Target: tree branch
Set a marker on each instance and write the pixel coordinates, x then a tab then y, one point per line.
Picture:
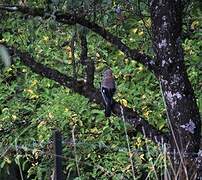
68	18
85	61
93	94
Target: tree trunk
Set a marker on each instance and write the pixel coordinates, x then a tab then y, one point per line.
182	112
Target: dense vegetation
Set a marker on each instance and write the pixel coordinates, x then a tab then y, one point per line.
32	106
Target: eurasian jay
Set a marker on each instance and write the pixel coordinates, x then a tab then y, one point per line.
108	89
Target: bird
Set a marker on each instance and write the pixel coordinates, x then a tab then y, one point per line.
108	88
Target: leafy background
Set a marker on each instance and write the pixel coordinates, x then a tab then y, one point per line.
32	107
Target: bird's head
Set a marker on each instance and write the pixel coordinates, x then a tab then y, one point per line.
107	73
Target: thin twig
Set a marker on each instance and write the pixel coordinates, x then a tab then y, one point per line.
75	154
128	143
18	161
153	164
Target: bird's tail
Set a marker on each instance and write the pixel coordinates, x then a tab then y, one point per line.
108	110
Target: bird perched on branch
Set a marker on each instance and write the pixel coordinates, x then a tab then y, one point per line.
108	89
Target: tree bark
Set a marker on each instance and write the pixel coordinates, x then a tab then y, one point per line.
182	112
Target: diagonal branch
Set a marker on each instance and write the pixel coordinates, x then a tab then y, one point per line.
68	18
93	94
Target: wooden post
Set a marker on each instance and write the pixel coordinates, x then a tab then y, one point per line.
58	155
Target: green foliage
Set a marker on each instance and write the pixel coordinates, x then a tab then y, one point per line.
31	106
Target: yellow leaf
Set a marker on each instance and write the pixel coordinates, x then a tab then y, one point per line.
150	159
30	91
126	61
146	114
24	70
120	53
45	38
14	117
94	130
161	126
113	146
70	61
68	49
138	142
128	76
2	40
97	55
130	154
50	115
34	96
140	33
5	109
124	102
141	68
69	53
88	156
142	157
148	22
143	96
9	69
41	123
34	82
36	153
127	167
194	24
116	76
140	21
134	30
7	160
